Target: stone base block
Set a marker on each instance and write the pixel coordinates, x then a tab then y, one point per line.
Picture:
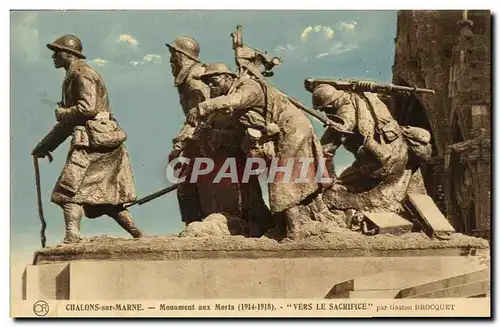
239	268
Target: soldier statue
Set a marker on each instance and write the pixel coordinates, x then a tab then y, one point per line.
386	154
220	139
272	127
97	178
187	69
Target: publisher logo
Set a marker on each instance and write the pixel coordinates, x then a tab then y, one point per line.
41	308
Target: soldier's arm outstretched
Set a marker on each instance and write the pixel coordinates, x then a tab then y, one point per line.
53	139
249	94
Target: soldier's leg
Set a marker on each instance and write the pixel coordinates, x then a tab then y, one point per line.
189	204
124	219
296	217
330	141
73	214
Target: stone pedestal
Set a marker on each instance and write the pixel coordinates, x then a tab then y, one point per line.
235	267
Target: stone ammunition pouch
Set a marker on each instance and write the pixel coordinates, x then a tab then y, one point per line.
74	171
418	140
387	127
105	132
389	130
258	144
80	138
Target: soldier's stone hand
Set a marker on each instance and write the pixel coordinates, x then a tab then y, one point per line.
174	154
193	117
39	151
60	113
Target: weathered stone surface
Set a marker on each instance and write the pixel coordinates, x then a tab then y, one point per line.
226	278
442	51
337	243
388	223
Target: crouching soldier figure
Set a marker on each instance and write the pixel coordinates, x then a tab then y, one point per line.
386	154
97	178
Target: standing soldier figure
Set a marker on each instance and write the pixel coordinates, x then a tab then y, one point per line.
97	178
187	69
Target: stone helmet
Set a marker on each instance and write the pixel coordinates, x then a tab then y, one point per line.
187	46
216	68
68	43
324	95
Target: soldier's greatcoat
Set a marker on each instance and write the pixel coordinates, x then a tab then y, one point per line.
379	176
192	91
91	175
219	141
256	104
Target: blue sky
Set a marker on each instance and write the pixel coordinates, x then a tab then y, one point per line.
128	49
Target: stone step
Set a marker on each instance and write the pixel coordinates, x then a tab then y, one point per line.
368	294
445	283
474	289
392	281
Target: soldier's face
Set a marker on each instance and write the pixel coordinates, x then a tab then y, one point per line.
175	62
60	59
219	85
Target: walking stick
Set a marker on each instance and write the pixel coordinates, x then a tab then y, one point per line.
39	198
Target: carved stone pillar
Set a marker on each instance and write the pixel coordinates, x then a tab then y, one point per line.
473	160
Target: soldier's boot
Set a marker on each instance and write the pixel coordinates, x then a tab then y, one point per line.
296	218
124	219
73	214
278	232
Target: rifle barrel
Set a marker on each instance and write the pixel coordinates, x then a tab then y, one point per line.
152	196
315	114
311	83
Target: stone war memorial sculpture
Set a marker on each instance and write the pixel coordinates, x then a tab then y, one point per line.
264	213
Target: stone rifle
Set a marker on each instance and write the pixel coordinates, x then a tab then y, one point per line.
152	196
364	86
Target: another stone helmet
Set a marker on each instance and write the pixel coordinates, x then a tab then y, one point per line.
187	46
68	43
216	68
323	95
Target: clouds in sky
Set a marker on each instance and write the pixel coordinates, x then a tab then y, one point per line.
318	41
126	53
287	47
147	59
99	62
348	26
327	31
128	39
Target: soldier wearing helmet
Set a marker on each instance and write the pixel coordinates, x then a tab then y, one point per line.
219	139
377	177
97	178
186	69
273	129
